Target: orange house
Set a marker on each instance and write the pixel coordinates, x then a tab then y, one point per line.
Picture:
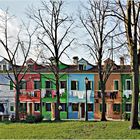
112	98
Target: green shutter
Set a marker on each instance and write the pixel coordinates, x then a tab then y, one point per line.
11	85
101	107
116	85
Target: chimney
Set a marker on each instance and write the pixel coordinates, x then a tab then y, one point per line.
75	60
122	61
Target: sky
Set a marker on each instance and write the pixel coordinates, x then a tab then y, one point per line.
18	8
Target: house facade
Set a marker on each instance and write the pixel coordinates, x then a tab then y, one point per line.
126	79
7	95
77	90
30	94
113	97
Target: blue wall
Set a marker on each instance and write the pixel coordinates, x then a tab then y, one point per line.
81	87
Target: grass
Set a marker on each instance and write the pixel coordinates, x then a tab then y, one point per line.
68	130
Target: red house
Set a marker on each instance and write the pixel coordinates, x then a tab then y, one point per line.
30	94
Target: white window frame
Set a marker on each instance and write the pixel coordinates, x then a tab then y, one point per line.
63	81
50	84
126	84
125	107
77	82
114	84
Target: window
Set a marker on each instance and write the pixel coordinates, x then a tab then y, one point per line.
63	84
74	85
75	107
81	67
89	85
101	107
23	107
23	84
116	85
48	106
48	93
128	84
35	93
2	108
37	84
116	107
90	107
63	105
4	67
128	107
12	107
48	84
37	106
11	85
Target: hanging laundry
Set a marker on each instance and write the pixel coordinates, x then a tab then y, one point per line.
43	92
61	91
53	93
75	93
71	93
127	93
80	94
88	94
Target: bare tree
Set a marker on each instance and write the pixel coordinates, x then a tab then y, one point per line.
128	12
99	27
15	48
54	28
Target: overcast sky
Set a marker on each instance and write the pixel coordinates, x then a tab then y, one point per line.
19	8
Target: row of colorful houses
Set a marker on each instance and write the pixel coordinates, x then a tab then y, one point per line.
38	91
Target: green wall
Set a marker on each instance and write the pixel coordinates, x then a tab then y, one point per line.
63	99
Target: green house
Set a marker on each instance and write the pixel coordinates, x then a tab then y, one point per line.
48	94
127	85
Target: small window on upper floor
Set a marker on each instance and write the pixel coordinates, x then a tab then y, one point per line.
74	85
128	84
116	85
4	67
23	84
89	85
48	84
36	84
81	67
63	84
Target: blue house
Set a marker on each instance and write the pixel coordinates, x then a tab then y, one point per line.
77	90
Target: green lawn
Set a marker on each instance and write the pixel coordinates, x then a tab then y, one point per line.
68	130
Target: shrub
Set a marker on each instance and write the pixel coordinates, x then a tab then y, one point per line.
126	116
30	119
38	118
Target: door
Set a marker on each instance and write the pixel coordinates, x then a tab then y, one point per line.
109	110
82	110
30	108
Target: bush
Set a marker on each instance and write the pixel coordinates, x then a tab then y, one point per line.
38	118
30	119
34	119
126	116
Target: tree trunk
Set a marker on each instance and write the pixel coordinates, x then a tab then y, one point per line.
135	96
103	116
17	104
57	117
